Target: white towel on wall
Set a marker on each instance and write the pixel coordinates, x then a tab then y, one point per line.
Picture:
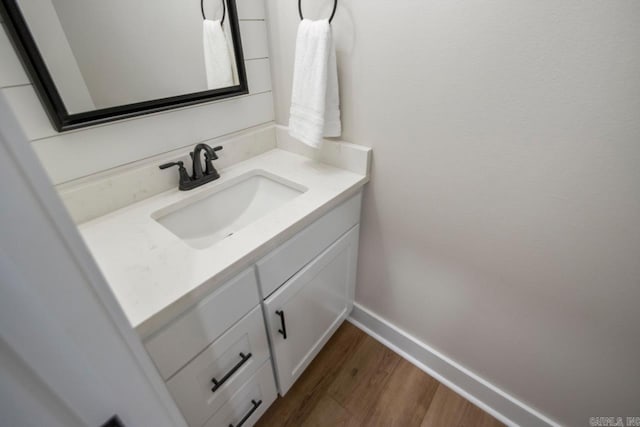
315	99
217	58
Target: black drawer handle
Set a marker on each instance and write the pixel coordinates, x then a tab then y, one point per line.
217	384
283	331
113	422
251	411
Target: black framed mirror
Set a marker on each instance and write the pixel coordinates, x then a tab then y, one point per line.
93	62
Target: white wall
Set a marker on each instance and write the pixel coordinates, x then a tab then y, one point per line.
57	53
502	224
81	153
62	332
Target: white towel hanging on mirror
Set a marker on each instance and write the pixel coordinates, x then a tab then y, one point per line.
217	57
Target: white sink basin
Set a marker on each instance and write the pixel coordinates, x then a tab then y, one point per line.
208	218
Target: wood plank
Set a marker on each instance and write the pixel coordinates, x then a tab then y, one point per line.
254	39
251	9
258	75
355	382
405	398
446	409
328	412
476	417
33	118
100	148
11	71
294	408
450	409
362	379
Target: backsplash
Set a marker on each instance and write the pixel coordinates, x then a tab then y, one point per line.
104	192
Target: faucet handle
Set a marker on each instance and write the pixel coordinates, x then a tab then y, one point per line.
209	157
184	176
168	165
214	156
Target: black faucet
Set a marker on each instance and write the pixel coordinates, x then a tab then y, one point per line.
198	177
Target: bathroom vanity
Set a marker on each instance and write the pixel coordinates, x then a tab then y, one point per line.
216	356
236	286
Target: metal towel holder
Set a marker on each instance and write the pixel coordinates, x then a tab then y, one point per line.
333	13
224	11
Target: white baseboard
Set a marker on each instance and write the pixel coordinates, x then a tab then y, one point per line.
478	391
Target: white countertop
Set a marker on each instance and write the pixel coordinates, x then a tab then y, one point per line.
155	275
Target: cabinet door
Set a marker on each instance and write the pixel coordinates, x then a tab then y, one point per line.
304	313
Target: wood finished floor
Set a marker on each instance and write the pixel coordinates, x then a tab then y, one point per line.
355	382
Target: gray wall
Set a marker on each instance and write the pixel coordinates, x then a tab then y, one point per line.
502	223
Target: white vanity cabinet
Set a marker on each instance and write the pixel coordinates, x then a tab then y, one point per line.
308	285
216	359
304	313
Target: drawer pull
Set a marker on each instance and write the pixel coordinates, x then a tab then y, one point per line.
283	331
113	422
251	411
217	384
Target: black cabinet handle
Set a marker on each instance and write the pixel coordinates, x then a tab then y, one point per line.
113	422
283	331
251	411
217	384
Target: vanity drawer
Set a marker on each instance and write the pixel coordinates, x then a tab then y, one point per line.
172	347
249	403
231	360
277	267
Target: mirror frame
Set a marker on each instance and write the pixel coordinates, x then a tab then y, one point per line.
33	62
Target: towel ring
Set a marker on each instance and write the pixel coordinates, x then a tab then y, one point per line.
224	11
335	6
